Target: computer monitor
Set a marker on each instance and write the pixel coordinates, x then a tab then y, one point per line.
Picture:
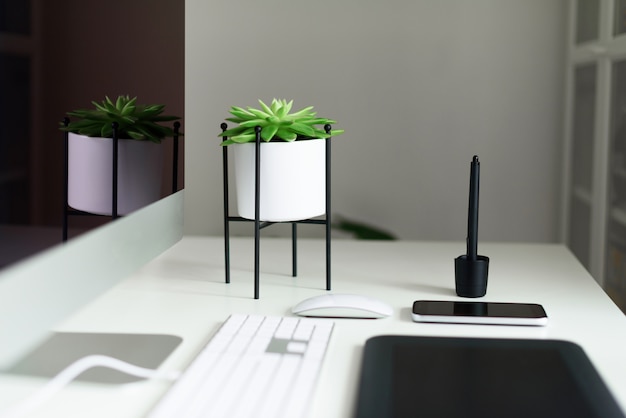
39	292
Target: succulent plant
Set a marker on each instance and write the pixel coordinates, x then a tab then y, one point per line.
277	123
138	122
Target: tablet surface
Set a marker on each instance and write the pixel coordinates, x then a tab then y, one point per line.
410	376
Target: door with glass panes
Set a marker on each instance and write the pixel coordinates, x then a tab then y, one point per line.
595	167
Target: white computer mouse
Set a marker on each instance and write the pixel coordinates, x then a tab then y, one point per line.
342	306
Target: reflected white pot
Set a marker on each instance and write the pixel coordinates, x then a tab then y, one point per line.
293	180
140	167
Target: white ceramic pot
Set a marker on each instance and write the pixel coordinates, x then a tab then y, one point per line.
293	180
140	167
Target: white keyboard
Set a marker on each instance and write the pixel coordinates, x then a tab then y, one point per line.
254	366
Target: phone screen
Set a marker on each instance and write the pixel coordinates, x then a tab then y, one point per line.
479	312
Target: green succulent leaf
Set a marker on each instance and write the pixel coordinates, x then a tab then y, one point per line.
241	113
303	129
108	104
100	107
239	139
307	111
255	122
288	106
129	107
259	114
268	132
236	119
276	104
286	134
106	131
319	121
136	135
266	108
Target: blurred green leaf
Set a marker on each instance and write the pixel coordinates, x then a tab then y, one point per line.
362	230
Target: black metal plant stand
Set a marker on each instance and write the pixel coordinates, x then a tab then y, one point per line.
258	225
68	211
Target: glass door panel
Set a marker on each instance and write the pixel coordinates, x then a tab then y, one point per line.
15	17
14	139
587	20
16	95
619	18
583	124
583	128
579	231
616	205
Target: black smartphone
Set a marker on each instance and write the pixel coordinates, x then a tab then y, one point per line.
461	312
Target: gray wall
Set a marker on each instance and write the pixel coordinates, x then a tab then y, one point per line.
419	87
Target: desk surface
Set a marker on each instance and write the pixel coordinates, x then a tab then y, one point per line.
182	292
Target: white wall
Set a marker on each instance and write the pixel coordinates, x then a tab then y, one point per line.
419	87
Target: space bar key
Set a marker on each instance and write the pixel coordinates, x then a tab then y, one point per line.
255	388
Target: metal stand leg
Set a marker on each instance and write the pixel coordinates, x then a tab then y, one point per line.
294	249
327	128
226	209
66	122
115	174
257	210
175	153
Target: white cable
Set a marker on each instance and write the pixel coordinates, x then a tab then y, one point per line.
72	371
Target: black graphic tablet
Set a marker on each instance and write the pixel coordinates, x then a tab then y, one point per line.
410	376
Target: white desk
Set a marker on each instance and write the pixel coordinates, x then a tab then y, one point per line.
183	293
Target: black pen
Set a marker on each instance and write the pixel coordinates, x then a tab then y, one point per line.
470	269
472	221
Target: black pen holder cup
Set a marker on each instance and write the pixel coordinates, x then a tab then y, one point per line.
470	276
